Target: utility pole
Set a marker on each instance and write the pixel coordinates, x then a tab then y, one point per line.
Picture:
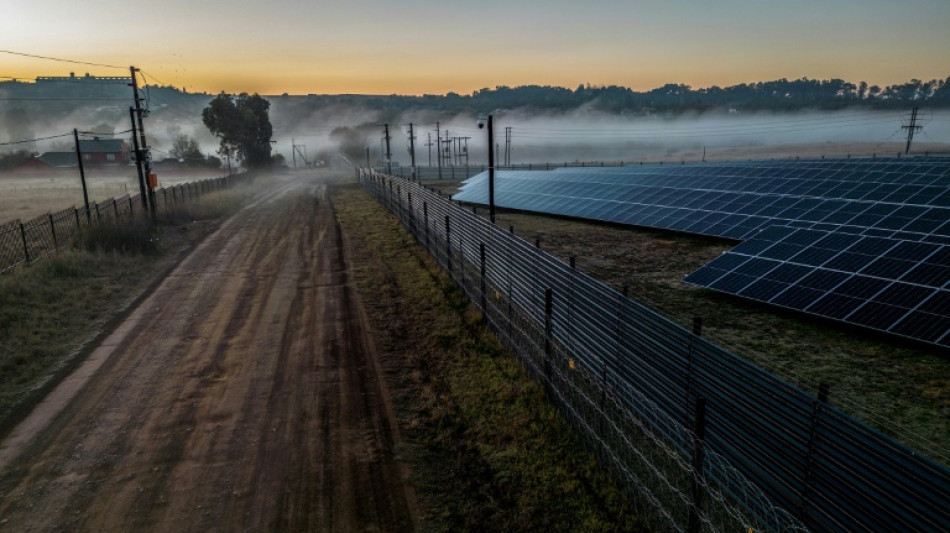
429	145
438	141
508	146
368	164
293	151
143	145
138	161
446	148
82	176
911	128
412	150
389	155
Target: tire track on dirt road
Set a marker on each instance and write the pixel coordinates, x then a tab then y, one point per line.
243	394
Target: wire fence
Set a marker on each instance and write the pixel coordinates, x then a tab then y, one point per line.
709	441
30	241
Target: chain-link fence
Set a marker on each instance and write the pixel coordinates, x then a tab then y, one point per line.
709	441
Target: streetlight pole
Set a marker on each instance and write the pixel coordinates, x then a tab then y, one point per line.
491	164
491	170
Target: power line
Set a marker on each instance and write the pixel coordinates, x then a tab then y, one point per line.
61	99
147	75
9	143
60	59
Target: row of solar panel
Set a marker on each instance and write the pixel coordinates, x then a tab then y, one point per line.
821	187
734	215
886	284
865	170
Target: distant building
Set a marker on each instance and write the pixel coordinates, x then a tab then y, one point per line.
95	153
72	78
104	152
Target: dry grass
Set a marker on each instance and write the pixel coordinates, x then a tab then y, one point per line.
487	451
29	194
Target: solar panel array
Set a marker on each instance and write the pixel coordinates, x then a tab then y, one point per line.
861	241
735	200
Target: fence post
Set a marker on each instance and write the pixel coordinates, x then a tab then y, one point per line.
412	222
509	244
98	214
76	212
548	348
481	271
425	220
697	332
462	268
448	245
817	408
624	292
52	229
26	250
115	208
699	452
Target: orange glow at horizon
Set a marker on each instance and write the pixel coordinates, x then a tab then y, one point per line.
305	48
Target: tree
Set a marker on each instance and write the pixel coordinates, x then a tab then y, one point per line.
19	127
186	148
243	127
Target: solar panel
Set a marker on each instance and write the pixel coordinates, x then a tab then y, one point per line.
889	285
865	241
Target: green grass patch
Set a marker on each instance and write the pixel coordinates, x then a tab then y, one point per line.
487	451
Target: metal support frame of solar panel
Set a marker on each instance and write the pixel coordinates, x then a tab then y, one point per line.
895	286
714	200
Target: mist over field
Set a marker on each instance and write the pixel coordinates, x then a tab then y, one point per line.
321	125
585	134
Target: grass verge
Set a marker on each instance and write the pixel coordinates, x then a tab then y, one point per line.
486	449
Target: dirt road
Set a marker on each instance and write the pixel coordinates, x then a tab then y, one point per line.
243	395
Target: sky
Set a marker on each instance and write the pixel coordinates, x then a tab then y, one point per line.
433	47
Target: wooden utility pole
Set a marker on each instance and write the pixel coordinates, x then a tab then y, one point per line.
138	161
82	175
911	128
143	144
429	145
438	142
412	150
389	155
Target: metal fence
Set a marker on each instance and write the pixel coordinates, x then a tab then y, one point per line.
30	241
708	440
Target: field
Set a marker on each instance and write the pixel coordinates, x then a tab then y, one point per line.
26	195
